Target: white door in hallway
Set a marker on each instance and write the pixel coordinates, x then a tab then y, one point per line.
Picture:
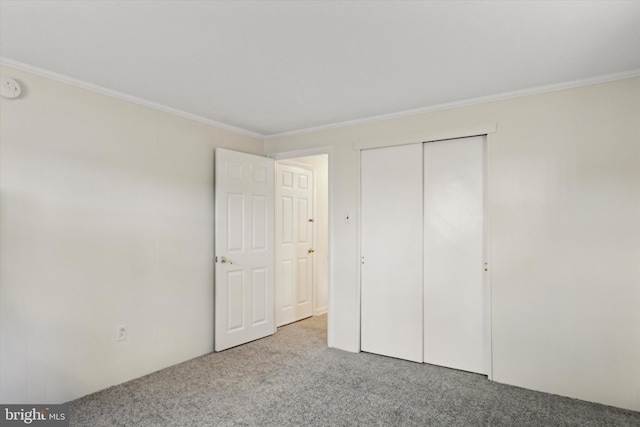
455	311
244	248
391	273
294	243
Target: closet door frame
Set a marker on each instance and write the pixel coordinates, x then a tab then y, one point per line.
484	129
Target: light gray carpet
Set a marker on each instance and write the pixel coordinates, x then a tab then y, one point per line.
293	379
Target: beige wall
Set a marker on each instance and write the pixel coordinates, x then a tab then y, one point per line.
106	217
564	188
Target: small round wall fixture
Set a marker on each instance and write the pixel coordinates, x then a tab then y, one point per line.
9	88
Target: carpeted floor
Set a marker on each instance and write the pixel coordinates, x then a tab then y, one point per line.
293	379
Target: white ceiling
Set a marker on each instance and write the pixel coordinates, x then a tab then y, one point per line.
272	67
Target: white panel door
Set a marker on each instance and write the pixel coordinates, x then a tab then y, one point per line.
454	302
391	278
294	243
244	290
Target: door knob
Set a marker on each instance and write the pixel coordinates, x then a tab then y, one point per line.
225	260
311	250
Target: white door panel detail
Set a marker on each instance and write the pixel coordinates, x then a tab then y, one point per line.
244	287
294	240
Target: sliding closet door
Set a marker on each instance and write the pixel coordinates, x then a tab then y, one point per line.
454	302
392	286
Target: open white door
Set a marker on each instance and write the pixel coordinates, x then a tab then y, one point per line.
294	243
244	248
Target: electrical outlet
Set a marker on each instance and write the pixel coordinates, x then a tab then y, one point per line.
347	218
121	332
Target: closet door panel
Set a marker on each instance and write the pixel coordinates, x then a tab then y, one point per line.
392	234
454	306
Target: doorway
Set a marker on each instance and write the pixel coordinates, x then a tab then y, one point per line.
244	293
301	238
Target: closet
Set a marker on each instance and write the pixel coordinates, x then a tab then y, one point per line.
424	295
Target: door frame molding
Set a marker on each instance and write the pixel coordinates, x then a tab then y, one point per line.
315	151
482	129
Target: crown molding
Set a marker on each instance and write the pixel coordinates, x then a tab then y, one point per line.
464	103
129	98
446	106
